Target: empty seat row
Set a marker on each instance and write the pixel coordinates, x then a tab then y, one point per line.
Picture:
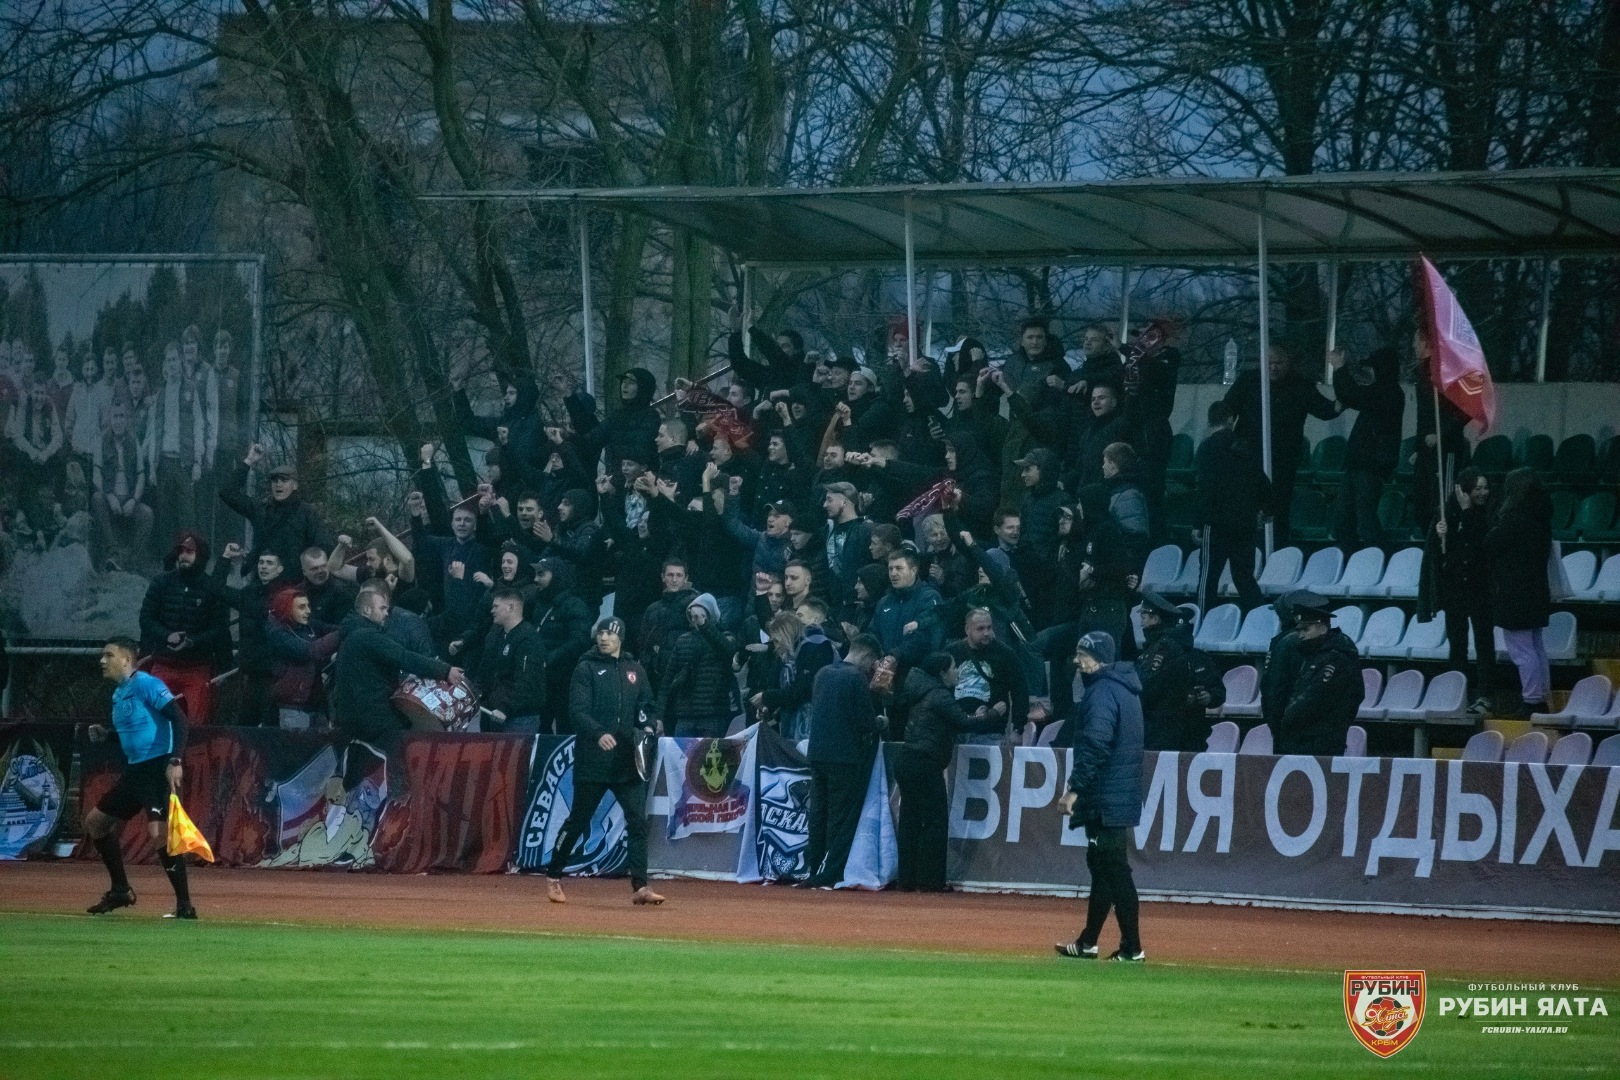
1386	634
1534	748
1589	582
1223	739
1592	703
1365	575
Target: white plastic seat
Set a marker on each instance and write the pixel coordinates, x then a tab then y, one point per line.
1192	615
1219	630
1402	693
1425	640
1484	746
1049	733
1581	568
1608	752
1606	586
1162	568
1361	575
1192	572
1226	587
1610	717
1136	626
1242	691
1401	574
1572	749
1443	697
1382	634
1223	738
1355	741
1531	747
1322	571
1348	620
1372	686
1559	637
1281	571
1588	700
1259	627
1257	740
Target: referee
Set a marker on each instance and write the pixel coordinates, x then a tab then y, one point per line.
152	731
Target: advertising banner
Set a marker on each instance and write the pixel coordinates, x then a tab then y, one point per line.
1360	833
36	762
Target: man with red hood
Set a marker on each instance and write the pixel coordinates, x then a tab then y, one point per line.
184	628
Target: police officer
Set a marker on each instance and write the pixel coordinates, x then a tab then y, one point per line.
1327	690
1282	662
1179	682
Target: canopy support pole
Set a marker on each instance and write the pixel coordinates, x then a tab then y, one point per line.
1332	316
1546	320
928	314
1265	357
1124	306
585	301
911	292
747	308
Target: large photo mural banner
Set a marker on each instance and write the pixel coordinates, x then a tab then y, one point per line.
127	394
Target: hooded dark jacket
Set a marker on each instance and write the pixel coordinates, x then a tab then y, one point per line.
1108	745
524	437
698	683
934	719
609	695
630	429
1326	694
185	601
369	664
561	619
287	528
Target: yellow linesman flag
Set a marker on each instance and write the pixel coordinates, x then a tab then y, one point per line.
184	837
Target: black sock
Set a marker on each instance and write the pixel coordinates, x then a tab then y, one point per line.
175	867
113	855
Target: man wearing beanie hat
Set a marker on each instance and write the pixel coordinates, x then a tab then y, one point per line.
1105	791
611	708
1328	689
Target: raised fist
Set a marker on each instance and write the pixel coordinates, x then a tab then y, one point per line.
255	454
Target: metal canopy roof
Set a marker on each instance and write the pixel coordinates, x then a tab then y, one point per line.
1349	216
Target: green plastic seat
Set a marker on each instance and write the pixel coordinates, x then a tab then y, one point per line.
1327	459
1594	521
1308	516
1608	463
1494	456
1392	516
1539	453
1565	505
1182	457
1576	460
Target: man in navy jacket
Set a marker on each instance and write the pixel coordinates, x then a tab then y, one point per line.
1105	791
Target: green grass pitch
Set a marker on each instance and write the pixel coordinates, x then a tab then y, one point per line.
131	999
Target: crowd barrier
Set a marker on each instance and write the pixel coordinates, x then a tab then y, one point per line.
1401	835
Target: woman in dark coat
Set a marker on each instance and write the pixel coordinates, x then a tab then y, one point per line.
1518	547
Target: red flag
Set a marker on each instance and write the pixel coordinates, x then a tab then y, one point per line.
1458	364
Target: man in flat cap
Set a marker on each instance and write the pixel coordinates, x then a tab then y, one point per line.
282	522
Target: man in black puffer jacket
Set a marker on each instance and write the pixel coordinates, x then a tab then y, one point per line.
282	522
610	708
1328	688
1105	792
697	691
933	721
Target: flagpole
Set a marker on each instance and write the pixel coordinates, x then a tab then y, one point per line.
1439	448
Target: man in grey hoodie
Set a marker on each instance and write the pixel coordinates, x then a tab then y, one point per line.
1105	791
